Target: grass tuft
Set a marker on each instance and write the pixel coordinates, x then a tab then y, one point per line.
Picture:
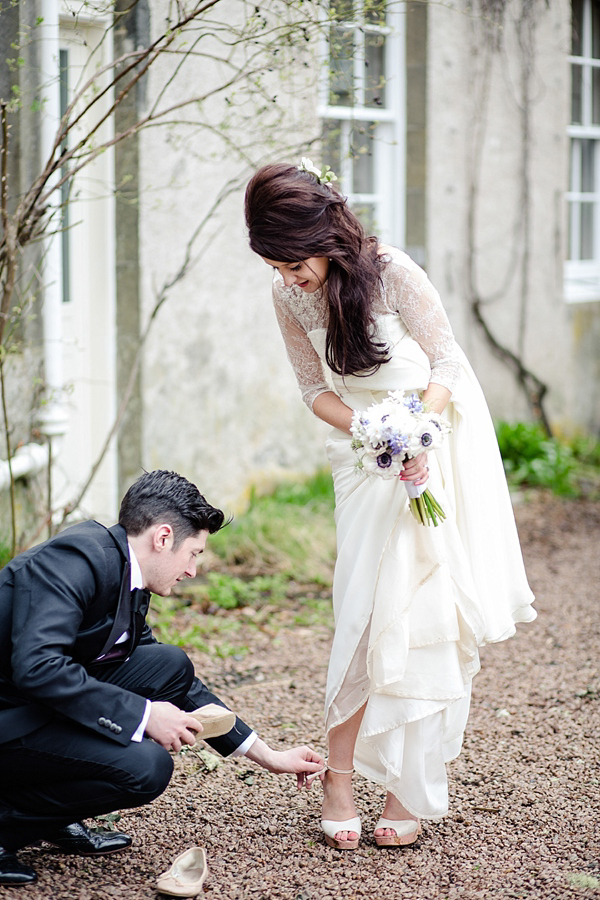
273	566
288	532
569	468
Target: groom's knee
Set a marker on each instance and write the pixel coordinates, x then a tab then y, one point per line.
166	669
178	669
152	771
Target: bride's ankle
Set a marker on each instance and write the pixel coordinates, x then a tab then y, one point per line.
393	809
338	802
340	770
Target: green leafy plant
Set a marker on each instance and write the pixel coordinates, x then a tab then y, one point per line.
586	450
314	611
230	592
532	458
175	621
5	553
288	532
271	567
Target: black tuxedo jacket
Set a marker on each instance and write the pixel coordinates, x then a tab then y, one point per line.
61	606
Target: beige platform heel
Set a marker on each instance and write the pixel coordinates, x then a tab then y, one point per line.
407	831
331	827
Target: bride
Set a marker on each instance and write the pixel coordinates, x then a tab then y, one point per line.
412	604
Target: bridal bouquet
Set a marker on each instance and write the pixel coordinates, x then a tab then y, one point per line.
390	432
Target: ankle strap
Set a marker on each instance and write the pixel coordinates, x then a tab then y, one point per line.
340	771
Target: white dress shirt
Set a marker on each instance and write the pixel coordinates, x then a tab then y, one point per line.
137	581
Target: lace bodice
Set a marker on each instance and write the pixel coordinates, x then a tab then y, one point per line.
407	292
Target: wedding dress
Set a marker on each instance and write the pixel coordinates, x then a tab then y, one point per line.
412	603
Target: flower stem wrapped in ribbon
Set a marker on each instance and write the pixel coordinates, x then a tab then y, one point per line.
388	433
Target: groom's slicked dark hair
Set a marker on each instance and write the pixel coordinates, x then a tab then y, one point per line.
163	496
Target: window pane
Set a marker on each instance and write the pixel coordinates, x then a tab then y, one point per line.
361	150
587	231
341	63
374	12
576	28
573	251
575	165
588	173
332	146
596	29
576	72
596	96
374	70
366	213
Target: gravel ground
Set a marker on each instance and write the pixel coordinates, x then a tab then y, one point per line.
524	793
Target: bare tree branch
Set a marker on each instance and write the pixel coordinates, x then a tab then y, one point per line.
246	58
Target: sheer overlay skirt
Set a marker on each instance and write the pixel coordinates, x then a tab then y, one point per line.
412	603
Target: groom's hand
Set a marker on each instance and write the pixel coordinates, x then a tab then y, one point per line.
170	727
300	761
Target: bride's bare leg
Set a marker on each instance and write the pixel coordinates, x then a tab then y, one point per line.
338	803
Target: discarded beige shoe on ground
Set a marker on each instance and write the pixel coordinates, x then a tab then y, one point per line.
186	876
215	720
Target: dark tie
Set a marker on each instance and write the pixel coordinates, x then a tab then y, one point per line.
130	617
140	601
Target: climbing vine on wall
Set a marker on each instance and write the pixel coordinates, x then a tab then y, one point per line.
491	31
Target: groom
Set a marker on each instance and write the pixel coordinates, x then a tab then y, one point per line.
84	684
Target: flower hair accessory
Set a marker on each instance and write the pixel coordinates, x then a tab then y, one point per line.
323	177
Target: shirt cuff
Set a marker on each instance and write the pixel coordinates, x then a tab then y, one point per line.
138	734
245	746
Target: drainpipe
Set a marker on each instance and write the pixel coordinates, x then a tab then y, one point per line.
53	418
26	461
32	458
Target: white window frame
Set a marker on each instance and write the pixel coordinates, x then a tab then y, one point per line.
389	144
88	319
582	276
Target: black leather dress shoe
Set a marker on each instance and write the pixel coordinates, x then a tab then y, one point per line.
13	872
76	838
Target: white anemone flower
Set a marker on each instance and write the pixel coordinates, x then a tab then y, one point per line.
381	463
426	436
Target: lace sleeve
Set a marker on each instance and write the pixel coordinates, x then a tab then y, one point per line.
302	355
410	293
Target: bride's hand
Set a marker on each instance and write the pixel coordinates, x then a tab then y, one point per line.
415	469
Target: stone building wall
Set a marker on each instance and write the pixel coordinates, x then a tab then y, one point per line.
497	169
220	402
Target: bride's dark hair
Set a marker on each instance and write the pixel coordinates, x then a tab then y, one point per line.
292	217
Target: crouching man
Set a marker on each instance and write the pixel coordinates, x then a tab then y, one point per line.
84	684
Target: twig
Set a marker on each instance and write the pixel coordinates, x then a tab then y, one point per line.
7	226
13	507
535	389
